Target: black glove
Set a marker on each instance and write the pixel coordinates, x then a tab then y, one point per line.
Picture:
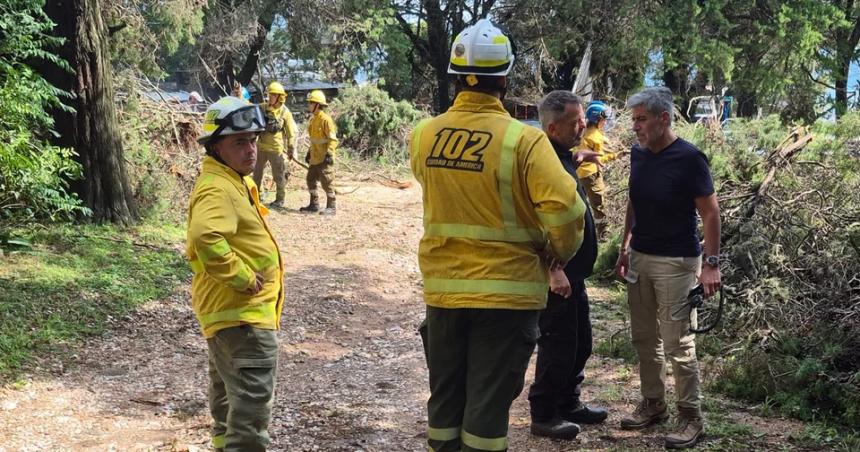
273	125
308	158
328	160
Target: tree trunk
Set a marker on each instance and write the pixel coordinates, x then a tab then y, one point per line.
841	83
746	103
678	81
264	24
846	46
93	129
438	36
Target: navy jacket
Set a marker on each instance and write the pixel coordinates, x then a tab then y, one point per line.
582	264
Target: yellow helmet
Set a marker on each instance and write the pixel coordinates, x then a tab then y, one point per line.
276	88
481	49
317	96
231	115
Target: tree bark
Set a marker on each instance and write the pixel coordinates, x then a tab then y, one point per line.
846	47
92	130
442	24
264	24
439	52
677	80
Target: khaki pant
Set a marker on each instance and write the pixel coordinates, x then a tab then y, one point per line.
595	189
323	173
242	365
656	285
280	171
477	360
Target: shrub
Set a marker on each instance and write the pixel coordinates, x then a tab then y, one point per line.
33	174
374	124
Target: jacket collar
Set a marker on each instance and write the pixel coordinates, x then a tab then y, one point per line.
478	102
210	165
562	151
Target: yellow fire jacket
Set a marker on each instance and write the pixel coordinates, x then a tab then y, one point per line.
592	140
274	142
323	135
228	242
497	206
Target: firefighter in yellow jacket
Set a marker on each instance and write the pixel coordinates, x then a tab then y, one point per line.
237	292
499	210
320	157
276	142
591	174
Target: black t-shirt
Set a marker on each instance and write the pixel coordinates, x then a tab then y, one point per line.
663	189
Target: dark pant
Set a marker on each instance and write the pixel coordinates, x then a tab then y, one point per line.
477	360
563	348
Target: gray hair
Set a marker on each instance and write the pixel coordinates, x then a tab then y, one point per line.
656	100
552	106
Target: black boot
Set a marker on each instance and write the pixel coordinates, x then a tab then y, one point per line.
583	414
555	428
330	207
314	206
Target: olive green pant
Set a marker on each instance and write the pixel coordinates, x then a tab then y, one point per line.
242	365
657	287
477	360
595	189
324	174
280	171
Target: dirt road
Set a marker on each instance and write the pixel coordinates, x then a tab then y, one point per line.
351	374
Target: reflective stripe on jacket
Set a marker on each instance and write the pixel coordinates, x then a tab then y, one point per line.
323	135
274	142
497	205
228	242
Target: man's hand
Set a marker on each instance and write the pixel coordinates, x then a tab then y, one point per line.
328	160
622	264
291	153
559	284
587	156
258	285
710	279
308	158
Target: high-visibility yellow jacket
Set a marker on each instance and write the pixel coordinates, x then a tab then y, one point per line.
497	206
592	140
274	142
323	135
228	242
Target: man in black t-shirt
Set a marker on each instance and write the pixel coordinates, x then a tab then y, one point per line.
661	260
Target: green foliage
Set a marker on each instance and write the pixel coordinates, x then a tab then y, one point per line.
153	31
607	255
796	376
146	136
33	174
374	124
77	281
824	436
619	346
786	289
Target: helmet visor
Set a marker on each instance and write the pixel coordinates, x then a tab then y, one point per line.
243	119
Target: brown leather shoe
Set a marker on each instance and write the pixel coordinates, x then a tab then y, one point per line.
648	412
691	426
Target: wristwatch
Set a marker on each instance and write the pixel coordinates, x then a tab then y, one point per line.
713	261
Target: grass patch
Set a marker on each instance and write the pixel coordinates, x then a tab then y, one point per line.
75	280
824	436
